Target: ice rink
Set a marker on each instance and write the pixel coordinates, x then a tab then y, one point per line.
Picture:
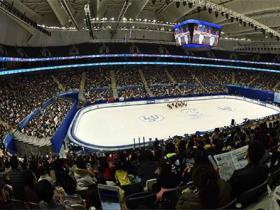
116	126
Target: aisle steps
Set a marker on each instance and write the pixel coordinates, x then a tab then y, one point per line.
60	86
199	82
81	96
145	83
114	84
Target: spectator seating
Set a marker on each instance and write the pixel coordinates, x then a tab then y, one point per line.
142	200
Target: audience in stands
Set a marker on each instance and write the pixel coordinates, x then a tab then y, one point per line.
48	120
98	86
58	183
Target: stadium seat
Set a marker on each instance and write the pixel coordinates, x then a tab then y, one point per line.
143	200
149	185
169	199
274	178
78	207
230	205
132	188
32	205
253	194
17	204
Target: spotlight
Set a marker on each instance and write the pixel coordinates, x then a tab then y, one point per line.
184	3
190	4
177	4
210	10
216	14
154	1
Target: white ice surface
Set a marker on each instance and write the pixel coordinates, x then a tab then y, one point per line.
116	126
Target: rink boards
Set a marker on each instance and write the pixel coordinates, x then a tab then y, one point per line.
115	126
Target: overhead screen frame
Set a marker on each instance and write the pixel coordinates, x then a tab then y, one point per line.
190	24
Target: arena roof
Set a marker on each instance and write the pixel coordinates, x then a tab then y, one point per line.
240	19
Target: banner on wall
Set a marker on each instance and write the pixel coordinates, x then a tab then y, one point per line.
277	97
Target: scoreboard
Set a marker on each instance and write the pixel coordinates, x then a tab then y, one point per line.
197	34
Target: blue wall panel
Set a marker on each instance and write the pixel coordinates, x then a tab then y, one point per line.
262	95
9	143
60	134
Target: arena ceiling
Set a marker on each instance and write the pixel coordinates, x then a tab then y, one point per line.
72	14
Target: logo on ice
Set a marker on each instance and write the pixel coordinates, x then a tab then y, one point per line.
151	118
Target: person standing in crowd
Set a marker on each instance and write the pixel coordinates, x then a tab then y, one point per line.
30	194
169	171
209	191
147	167
17	178
252	175
45	192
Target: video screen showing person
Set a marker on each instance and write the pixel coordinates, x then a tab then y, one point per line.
182	35
205	35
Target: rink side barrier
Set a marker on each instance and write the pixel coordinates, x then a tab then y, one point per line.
58	138
262	95
72	129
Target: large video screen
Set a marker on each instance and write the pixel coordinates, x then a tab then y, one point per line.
197	33
182	36
205	35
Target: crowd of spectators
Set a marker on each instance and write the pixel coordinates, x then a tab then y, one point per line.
98	85
129	84
128	77
20	95
268	81
168	90
156	77
49	119
132	92
70	80
50	182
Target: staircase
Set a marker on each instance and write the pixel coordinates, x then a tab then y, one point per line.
233	78
170	77
276	86
199	82
30	145
114	84
81	96
146	86
253	80
174	82
60	86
